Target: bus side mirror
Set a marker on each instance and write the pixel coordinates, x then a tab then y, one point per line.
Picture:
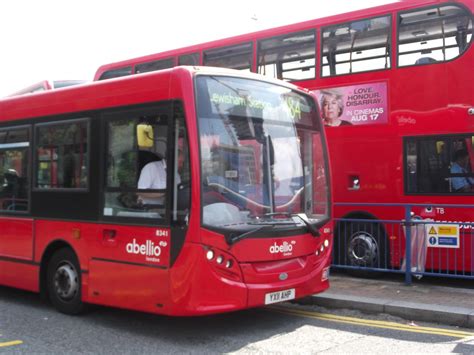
145	135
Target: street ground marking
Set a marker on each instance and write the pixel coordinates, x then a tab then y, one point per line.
374	323
10	343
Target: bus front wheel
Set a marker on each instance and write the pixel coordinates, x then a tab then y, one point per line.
64	282
364	245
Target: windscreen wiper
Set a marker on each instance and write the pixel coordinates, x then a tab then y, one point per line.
232	238
266	224
302	216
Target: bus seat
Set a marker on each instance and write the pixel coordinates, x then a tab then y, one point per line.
425	60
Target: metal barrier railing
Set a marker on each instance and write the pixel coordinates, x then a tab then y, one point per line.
411	246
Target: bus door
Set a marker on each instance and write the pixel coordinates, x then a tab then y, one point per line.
131	253
16	230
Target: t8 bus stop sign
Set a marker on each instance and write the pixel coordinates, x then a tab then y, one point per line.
442	235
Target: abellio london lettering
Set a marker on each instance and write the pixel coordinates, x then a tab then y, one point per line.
148	249
285	248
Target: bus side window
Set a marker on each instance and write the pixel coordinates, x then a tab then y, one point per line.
433	35
435	165
189	59
62	158
137	167
14	152
234	57
355	47
116	73
155	65
290	57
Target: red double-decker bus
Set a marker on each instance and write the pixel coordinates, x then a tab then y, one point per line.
47	85
184	192
395	85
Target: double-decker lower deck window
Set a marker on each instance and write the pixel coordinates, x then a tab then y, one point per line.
433	35
14	152
440	164
356	46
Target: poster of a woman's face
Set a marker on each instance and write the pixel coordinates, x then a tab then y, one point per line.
355	105
332	107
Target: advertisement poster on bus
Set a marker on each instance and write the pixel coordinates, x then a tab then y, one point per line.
364	104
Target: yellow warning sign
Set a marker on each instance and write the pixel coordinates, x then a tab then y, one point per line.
448	230
442	235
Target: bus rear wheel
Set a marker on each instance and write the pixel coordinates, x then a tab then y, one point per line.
64	282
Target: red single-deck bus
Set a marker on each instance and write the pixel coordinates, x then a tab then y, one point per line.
188	191
395	84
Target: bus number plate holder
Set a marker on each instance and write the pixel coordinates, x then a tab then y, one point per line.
280	296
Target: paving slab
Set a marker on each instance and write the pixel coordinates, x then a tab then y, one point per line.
421	301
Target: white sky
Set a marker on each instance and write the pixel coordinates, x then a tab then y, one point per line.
64	39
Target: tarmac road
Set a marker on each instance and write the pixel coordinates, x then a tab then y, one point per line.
27	325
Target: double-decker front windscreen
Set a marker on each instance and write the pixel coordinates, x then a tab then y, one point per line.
263	160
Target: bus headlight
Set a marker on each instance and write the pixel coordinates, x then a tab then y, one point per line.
210	255
326	243
220	259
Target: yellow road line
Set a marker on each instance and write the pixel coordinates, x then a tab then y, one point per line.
10	343
374	323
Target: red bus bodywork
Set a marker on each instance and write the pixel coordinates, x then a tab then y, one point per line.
129	265
433	99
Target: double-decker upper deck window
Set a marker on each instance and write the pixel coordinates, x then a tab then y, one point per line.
433	35
356	46
116	73
62	155
14	152
189	59
290	57
233	57
155	65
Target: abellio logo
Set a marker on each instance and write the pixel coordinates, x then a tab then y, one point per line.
285	248
148	249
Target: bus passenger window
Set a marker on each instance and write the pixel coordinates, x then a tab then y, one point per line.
356	46
189	59
233	57
62	159
155	65
433	35
14	148
439	165
291	57
116	73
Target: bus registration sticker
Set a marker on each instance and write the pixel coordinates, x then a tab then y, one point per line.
280	296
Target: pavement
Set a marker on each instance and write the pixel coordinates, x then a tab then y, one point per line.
444	301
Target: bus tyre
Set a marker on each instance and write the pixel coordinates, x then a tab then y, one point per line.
364	245
64	282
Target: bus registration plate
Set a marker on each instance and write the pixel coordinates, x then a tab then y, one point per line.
280	296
